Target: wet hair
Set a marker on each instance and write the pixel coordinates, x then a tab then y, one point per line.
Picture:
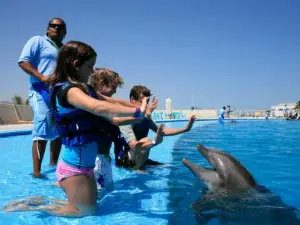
139	90
65	70
105	77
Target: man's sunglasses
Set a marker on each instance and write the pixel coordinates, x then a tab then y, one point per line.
58	26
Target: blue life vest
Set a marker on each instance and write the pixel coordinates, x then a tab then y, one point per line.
79	127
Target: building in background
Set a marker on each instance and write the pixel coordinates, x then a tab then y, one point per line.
168	108
279	110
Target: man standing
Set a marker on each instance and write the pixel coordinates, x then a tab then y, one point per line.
286	111
228	111
221	115
38	60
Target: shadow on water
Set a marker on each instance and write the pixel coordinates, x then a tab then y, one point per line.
242	140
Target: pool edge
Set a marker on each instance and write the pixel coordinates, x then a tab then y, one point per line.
15	132
28	131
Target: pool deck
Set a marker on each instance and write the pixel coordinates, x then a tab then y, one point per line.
15	127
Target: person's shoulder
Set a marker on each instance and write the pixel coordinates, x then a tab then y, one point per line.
35	40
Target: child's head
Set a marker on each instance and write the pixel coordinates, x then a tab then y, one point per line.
105	81
138	92
75	63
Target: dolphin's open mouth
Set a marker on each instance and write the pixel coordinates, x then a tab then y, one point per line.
225	170
204	174
206	154
208	175
191	165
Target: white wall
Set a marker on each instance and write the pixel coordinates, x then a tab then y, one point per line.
278	110
12	114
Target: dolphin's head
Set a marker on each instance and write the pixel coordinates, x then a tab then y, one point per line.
226	171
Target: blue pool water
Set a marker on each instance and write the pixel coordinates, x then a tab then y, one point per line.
269	149
136	198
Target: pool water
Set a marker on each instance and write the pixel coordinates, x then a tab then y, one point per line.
269	149
136	198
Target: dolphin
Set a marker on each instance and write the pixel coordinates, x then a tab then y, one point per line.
227	173
235	194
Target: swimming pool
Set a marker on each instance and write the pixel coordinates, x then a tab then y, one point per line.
164	194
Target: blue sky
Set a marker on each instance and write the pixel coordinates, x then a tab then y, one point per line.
245	53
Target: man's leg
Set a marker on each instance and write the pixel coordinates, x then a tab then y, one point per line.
55	147
38	151
43	130
38	143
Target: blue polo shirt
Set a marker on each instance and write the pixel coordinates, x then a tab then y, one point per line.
42	54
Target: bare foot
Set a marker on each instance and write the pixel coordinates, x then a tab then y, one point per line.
18	207
33	201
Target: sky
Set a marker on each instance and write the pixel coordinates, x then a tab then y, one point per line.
245	53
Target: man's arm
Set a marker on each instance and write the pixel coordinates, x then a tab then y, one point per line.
28	68
121	121
29	53
167	131
175	131
150	108
117	101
